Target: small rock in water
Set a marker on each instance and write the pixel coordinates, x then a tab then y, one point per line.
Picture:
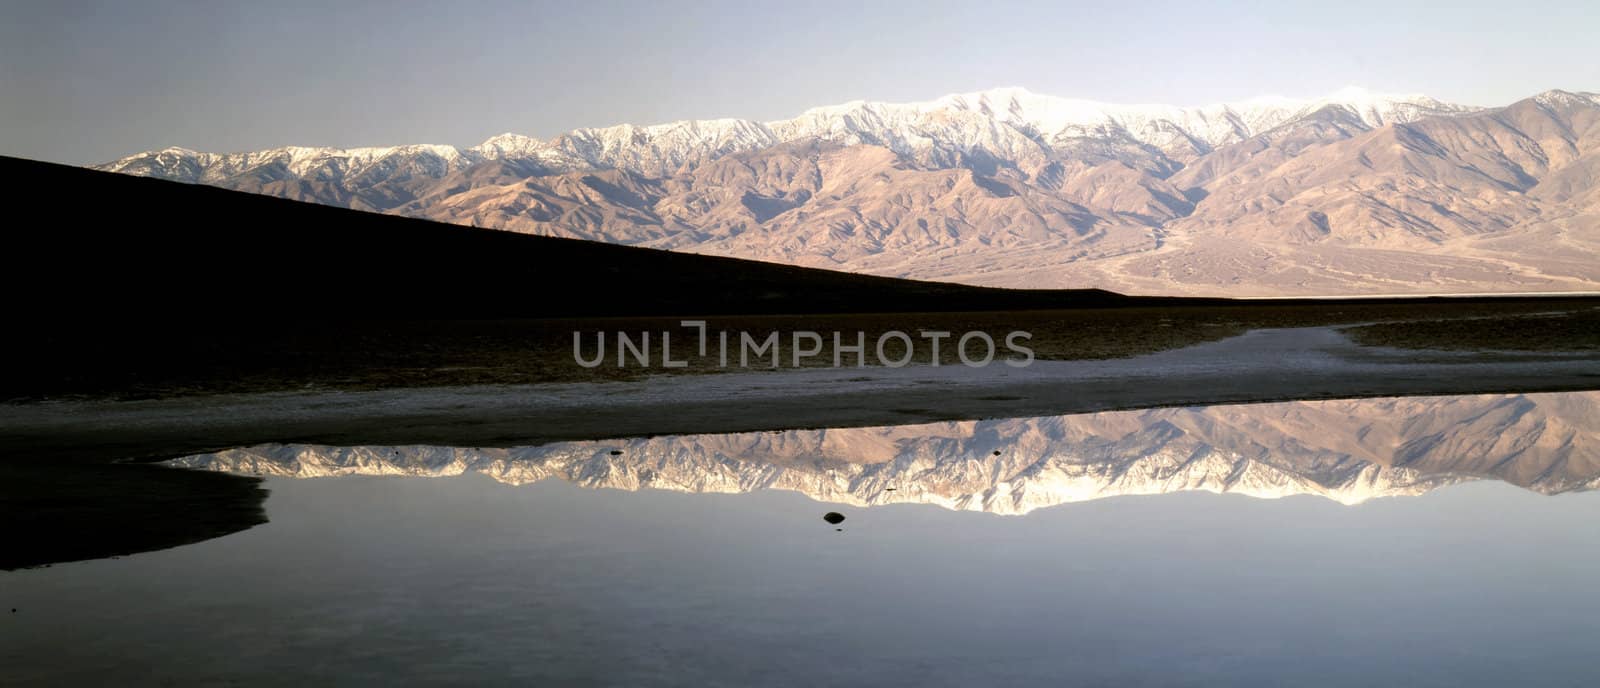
833	517
997	452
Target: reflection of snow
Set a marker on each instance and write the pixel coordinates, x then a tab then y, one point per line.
1349	451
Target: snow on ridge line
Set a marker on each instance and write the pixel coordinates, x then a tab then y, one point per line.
694	469
951	117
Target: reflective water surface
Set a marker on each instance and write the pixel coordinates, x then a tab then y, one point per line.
1346	450
1441	541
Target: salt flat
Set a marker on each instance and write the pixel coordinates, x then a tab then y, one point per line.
1260	365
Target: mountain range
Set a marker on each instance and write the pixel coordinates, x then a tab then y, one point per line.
1353	193
1346	450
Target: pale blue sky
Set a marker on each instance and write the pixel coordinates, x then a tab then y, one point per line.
84	81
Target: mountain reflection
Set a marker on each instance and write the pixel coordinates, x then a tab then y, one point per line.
1345	450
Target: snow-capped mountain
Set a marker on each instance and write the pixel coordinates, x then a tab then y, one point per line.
1008	122
1349	451
180	164
1349	193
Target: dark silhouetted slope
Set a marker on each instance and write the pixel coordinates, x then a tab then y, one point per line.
110	244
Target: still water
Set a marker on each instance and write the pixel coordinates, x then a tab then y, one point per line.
1123	567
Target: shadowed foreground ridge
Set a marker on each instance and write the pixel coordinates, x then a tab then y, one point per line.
136	247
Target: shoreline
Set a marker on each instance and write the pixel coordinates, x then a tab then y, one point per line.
1261	365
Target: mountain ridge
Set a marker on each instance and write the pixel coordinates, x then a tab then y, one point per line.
1351	193
1054	115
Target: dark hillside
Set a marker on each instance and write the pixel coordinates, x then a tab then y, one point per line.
109	244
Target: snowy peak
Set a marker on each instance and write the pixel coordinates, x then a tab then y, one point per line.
181	164
1560	98
1377	110
662	148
